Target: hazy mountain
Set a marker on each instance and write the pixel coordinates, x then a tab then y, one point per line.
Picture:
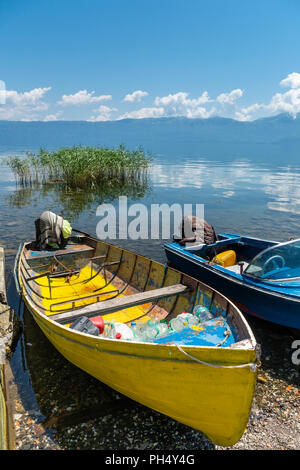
217	138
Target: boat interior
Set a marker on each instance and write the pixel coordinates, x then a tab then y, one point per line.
246	249
91	278
267	260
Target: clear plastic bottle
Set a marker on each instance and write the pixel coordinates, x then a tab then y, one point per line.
177	324
184	320
136	328
149	331
193	321
202	313
163	329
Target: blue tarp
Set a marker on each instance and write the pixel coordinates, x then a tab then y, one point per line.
210	333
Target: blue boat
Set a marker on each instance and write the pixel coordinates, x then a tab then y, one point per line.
263	282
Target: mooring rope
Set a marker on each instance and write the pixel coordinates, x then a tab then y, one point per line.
252	365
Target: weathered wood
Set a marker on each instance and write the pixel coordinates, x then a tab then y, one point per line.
97	257
119	303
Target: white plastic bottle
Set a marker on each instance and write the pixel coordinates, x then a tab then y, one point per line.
121	331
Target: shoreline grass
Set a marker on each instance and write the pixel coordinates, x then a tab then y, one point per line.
81	167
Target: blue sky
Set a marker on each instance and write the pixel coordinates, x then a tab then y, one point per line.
112	59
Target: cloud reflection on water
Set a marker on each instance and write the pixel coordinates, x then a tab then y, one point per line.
281	185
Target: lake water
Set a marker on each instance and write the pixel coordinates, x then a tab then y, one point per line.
239	196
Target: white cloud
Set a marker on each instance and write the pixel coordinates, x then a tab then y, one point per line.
82	97
181	100
143	113
245	114
24	106
200	112
104	114
291	81
53	117
135	96
288	102
26	98
179	104
230	98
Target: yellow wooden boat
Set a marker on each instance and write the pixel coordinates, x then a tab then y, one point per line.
209	388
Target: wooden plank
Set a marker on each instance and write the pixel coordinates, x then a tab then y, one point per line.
119	303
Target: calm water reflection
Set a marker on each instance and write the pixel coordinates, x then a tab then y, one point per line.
239	196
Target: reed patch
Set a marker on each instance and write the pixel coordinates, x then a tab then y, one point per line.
81	167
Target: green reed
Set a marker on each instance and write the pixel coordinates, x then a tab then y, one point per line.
81	167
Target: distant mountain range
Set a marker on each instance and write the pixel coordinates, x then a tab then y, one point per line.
217	138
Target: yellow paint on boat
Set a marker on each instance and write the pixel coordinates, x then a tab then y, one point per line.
74	287
215	400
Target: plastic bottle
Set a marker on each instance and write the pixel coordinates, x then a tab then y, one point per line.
149	331
202	313
190	319
136	328
177	324
184	320
121	331
163	329
107	328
